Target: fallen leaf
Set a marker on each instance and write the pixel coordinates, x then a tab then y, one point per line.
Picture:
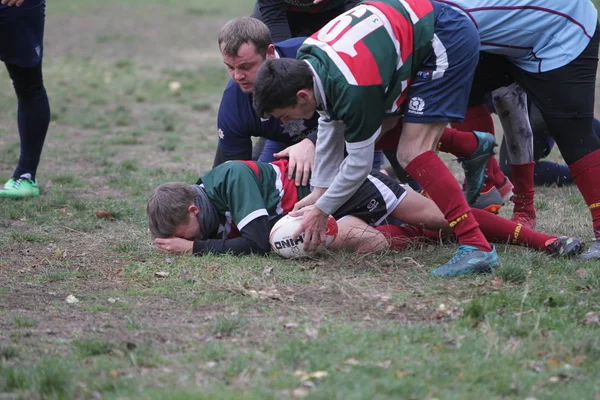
579	359
211	364
300	393
115	373
117	352
112	300
581	272
592	318
554	363
384	364
272	294
72	299
161	274
312	333
290	325
246	286
101	214
174	86
536	366
389	309
352	361
401	373
497	282
58	253
267	271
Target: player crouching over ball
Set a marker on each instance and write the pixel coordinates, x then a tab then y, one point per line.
234	206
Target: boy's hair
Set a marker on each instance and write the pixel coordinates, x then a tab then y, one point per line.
168	207
277	82
242	30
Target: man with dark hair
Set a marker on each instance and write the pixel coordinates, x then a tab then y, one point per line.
21	49
234	206
550	49
362	71
245	43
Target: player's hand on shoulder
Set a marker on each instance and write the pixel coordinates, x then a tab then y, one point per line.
301	160
175	245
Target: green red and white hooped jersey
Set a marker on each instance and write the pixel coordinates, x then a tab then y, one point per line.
246	190
364	60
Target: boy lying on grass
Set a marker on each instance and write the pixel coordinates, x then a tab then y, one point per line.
234	206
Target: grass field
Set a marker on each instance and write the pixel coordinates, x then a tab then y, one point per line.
338	327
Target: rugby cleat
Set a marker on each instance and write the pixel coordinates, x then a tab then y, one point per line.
506	190
565	246
20	188
490	201
592	252
469	260
523	218
475	165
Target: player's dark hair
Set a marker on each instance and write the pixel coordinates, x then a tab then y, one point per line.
168	207
277	82
242	30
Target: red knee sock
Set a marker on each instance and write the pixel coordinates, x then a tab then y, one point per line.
524	192
401	237
478	118
437	180
586	172
501	230
458	143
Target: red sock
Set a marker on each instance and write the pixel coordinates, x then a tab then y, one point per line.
586	172
501	230
401	237
437	180
458	143
478	118
524	192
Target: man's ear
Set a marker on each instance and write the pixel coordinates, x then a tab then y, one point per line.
193	209
304	95
270	52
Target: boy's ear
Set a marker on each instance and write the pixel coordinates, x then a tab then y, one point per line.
193	209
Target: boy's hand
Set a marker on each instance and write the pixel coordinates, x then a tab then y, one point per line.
301	160
11	3
175	245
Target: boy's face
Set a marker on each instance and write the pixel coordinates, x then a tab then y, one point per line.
304	108
191	229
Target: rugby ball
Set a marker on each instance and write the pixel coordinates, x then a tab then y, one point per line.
281	236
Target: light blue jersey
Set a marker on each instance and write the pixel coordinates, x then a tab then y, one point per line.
536	35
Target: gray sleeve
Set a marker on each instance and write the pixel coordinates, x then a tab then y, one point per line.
352	173
329	151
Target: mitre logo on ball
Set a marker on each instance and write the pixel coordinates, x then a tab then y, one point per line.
283	243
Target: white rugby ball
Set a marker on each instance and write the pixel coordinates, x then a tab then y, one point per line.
281	236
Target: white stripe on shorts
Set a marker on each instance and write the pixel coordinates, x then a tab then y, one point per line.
441	57
391	201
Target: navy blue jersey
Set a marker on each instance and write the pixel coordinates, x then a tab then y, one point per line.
237	121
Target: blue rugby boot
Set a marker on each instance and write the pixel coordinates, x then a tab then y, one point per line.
475	165
469	260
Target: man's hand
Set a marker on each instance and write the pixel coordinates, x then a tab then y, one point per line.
314	226
17	3
175	245
302	160
307	201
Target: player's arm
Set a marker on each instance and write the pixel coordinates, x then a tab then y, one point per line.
275	17
362	111
254	239
235	130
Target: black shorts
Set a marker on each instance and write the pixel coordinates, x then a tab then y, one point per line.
374	201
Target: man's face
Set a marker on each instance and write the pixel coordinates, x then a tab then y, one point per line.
304	109
189	230
243	66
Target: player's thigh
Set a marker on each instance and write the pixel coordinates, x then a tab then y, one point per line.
22	33
439	91
418	210
377	197
355	234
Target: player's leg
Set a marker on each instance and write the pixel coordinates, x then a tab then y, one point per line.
565	97
22	50
356	235
439	95
511	105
